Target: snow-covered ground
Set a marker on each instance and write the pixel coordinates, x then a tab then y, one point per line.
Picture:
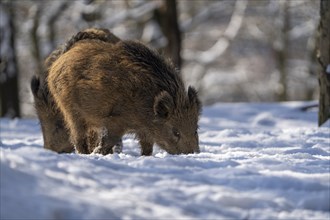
257	161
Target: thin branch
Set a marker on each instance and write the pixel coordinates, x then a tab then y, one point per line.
132	13
202	16
219	48
308	107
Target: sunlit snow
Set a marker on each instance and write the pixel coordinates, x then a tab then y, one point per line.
257	161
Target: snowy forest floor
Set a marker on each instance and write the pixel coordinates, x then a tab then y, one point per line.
257	161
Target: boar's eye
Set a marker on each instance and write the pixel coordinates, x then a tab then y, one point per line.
59	125
176	133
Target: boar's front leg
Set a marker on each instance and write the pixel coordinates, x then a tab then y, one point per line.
118	148
78	135
146	145
146	148
109	141
92	140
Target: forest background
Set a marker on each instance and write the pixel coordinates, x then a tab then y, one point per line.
232	51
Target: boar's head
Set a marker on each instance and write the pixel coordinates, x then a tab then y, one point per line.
177	119
55	135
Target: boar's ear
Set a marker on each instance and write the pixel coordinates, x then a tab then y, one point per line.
193	97
35	83
163	105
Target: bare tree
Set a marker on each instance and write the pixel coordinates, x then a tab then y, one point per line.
222	44
213	54
59	8
167	16
324	59
280	47
9	69
35	13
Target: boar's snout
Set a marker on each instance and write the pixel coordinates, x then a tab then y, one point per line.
190	149
179	148
186	150
55	136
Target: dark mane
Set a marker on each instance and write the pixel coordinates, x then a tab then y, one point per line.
162	70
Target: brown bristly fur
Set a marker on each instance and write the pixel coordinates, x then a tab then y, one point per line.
55	134
122	88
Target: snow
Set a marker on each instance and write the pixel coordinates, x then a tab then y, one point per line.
257	161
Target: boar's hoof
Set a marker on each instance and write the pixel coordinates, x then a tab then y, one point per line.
118	148
102	150
82	150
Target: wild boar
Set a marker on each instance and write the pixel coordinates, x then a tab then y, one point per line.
122	88
55	134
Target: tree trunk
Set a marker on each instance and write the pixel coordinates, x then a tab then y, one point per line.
35	13
324	59
280	48
168	20
9	68
59	8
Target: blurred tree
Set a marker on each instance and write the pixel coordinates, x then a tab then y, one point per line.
167	17
313	66
41	19
324	59
280	47
214	53
93	14
9	68
52	17
35	13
